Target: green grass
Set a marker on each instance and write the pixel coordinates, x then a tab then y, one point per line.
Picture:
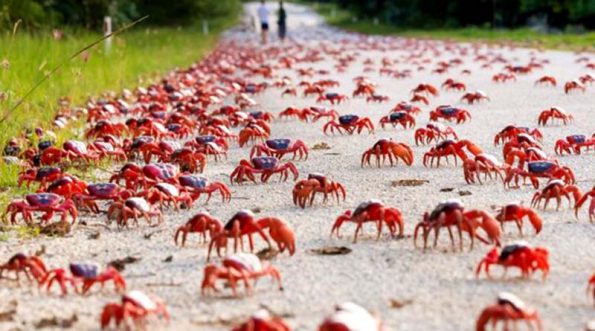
138	57
522	37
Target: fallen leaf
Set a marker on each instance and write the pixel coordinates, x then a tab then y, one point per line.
169	258
150	234
40	251
447	189
170	284
59	229
8	315
53	322
120	264
333	153
267	253
94	235
331	250
398	304
463	193
409	182
256	210
321	146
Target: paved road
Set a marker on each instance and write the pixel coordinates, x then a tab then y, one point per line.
440	283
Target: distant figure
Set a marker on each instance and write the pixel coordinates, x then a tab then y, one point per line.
282	22
263	15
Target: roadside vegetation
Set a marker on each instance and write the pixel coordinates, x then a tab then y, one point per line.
32	46
351	20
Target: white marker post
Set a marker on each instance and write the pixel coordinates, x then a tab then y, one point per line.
205	27
107	29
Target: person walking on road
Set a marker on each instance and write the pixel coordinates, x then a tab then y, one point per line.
263	16
282	22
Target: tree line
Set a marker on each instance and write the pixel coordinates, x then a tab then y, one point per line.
90	13
483	13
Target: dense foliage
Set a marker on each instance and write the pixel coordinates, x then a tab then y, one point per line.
461	13
90	13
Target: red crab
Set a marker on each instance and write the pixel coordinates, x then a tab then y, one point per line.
425	88
264	165
349	124
387	148
192	161
254	131
519	255
482	163
579	204
574	85
536	170
263	321
554	113
167	193
100	191
451	84
574	143
49	203
371	211
66	186
200	223
197	185
433	132
515	212
474	97
290	112
406	107
241	224
508	309
289	91
75	150
546	80
158	172
377	98
279	147
135	306
419	98
242	267
43	176
88	273
511	132
31	266
449	114
333	98
133	208
450	147
400	117
104	149
503	77
105	127
364	88
446	214
318	113
556	189
306	189
350	317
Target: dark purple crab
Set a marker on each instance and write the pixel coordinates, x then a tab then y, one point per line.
49	203
159	172
100	191
264	165
279	147
42	175
539	169
196	185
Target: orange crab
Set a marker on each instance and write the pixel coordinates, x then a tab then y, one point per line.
546	80
450	147
508	309
579	204
554	113
556	189
515	212
371	211
305	190
387	148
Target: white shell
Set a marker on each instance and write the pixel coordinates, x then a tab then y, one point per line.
141	299
169	188
249	261
457	201
142	204
512	299
354	317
